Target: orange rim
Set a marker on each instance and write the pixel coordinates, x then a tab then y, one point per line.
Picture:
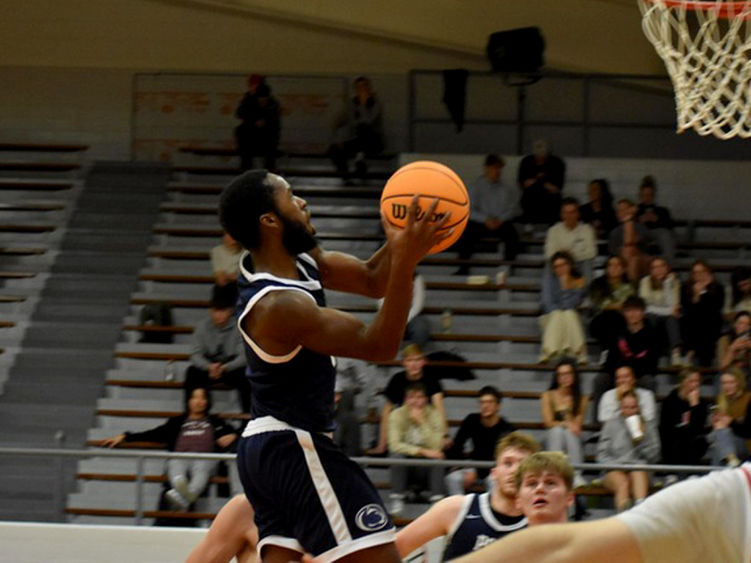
723	9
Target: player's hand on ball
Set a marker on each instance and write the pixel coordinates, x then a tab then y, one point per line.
419	234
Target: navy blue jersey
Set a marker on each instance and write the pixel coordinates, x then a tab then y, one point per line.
297	388
478	525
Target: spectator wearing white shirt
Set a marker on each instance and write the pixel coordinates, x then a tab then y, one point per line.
493	204
610	402
572	236
661	291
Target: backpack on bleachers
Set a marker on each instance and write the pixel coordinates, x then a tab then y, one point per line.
156	314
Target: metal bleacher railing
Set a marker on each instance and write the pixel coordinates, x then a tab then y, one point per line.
141	456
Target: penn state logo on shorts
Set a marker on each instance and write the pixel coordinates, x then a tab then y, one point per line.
371	517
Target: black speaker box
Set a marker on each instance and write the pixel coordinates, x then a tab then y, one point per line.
516	50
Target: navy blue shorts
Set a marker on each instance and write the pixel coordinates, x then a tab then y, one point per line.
307	494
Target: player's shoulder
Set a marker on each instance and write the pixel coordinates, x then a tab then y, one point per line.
450	508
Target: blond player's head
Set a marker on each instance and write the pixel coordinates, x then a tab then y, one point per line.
511	450
545	483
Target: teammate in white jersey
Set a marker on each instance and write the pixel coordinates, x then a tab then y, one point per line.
706	520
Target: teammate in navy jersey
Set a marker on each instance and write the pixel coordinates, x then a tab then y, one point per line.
307	495
470	522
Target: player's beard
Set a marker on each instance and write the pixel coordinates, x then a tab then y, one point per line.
296	238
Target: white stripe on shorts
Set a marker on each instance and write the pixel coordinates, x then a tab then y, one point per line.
323	486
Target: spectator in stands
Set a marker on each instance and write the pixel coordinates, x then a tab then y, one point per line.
635	345
563	407
702	299
493	205
628	439
625	382
417	330
351	380
563	291
196	430
483	429
541	177
734	347
683	419
731	421
359	131
217	355
630	240
225	260
414	362
416	430
661	291
739	296
656	218
574	237
607	294
598	211
258	134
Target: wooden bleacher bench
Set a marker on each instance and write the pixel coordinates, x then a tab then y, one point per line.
34	185
31	206
39	166
21	250
12	298
5	275
42	147
25	228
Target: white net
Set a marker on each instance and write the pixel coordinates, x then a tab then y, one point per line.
706	47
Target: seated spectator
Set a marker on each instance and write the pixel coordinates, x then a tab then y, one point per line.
414	362
196	430
545	481
734	347
628	439
731	421
483	429
574	237
417	330
657	219
563	291
563	407
258	134
225	260
701	323
359	133
217	354
683	419
630	240
415	430
351	381
493	205
739	297
625	382
541	176
607	294
661	291
598	211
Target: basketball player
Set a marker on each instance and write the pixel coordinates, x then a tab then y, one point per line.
472	521
307	495
706	520
232	534
545	488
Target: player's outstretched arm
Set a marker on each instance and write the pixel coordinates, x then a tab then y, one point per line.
232	533
583	542
344	272
436	522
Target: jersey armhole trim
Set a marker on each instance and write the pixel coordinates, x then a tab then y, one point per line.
460	516
265	356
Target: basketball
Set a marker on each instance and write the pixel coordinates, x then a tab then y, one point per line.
430	180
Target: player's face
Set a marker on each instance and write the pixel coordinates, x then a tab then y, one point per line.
297	231
413	364
570	215
624	377
504	472
544	498
489	406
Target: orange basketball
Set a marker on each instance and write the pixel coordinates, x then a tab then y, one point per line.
430	180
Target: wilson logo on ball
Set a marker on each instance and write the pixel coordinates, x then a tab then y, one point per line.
399	211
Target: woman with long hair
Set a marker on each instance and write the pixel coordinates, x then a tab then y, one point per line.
702	299
730	424
598	211
607	294
563	407
661	291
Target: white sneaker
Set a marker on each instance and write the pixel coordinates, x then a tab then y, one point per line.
603	357
180	483
177	501
397	503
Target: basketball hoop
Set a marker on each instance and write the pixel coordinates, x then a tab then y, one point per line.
706	47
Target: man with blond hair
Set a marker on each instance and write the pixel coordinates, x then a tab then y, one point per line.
545	488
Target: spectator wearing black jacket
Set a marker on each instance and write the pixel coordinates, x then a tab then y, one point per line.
656	218
258	134
483	429
683	419
702	299
195	430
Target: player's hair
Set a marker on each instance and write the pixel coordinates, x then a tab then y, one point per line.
416	387
242	203
518	440
494	160
634	302
412	350
546	462
490	390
